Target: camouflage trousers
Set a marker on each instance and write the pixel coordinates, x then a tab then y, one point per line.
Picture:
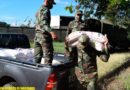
86	71
43	47
85	81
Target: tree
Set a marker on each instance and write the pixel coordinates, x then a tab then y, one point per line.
117	11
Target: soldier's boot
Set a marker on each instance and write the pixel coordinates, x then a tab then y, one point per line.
49	62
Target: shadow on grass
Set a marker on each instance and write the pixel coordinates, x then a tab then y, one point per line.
105	80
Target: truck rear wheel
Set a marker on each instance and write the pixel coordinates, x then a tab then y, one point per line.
13	84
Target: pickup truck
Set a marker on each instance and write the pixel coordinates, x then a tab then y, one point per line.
17	73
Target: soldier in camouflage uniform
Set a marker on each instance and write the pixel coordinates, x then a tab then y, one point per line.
76	25
71	53
86	71
43	39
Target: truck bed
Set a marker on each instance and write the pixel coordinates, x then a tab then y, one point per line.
31	74
27	56
36	75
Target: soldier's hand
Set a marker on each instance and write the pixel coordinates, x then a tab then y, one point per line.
80	46
54	36
104	57
67	52
37	27
106	41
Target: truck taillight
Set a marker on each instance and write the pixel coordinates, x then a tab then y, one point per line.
52	82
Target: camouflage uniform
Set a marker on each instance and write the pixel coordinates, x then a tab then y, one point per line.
86	71
75	25
43	39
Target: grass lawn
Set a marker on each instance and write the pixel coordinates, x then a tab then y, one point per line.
58	46
115	60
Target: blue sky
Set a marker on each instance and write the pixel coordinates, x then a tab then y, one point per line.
16	11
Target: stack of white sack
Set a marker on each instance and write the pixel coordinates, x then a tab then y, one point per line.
18	53
97	40
8	53
28	55
25	54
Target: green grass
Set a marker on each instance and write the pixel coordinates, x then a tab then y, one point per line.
125	78
127	82
58	46
115	61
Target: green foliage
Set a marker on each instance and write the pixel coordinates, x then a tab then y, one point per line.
118	11
69	8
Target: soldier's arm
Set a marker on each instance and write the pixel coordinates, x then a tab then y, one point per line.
66	42
45	25
104	56
69	30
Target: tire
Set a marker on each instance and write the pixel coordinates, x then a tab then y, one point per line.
11	84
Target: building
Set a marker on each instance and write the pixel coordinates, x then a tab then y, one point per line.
58	24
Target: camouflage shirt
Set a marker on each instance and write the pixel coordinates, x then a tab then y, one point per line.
43	17
75	26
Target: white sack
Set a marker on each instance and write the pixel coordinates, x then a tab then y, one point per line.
8	53
96	39
27	55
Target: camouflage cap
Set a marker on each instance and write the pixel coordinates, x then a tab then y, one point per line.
53	2
79	12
